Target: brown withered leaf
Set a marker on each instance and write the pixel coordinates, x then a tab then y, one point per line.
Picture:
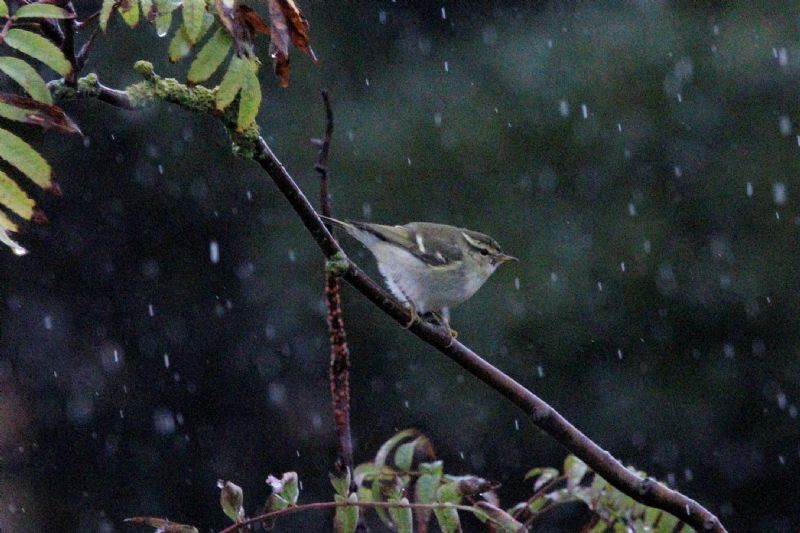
161	524
298	26
242	23
288	24
43	115
250	20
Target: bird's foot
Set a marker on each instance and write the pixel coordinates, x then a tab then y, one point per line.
414	315
442	321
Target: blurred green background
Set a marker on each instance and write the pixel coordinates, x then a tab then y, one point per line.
641	158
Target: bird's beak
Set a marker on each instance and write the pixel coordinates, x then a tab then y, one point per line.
503	258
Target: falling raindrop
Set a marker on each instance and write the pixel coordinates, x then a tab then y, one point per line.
585	111
48	322
785	125
151	310
166	360
563	108
213	252
619	353
749	189
779	193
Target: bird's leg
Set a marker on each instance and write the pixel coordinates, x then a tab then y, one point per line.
414	315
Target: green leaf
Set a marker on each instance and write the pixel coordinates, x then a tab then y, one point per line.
179	46
231	499
130	14
448	520
25	158
147	5
210	56
250	99
600	527
386	447
163	23
341	484
287	487
291	487
425	490
42	11
505	522
14	198
404	456
543	476
401	516
105	13
193	14
231	82
346	518
27	77
39	48
3	9
364	472
574	469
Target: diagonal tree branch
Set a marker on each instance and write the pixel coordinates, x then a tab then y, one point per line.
250	144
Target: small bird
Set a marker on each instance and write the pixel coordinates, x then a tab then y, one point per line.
430	267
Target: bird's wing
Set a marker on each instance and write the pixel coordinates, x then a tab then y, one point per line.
436	252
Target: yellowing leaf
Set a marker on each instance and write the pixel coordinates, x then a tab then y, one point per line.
193	13
210	56
24	109
3	9
42	11
105	13
163	22
27	77
39	48
25	158
130	12
14	198
7	225
250	99
231	82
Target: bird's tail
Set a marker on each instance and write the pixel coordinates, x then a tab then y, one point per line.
338	223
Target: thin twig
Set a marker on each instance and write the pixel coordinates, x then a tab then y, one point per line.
83	54
339	372
321	506
68	48
646	491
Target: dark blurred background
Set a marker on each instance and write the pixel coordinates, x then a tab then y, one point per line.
641	158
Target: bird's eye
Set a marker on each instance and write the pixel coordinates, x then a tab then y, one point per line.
484	252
